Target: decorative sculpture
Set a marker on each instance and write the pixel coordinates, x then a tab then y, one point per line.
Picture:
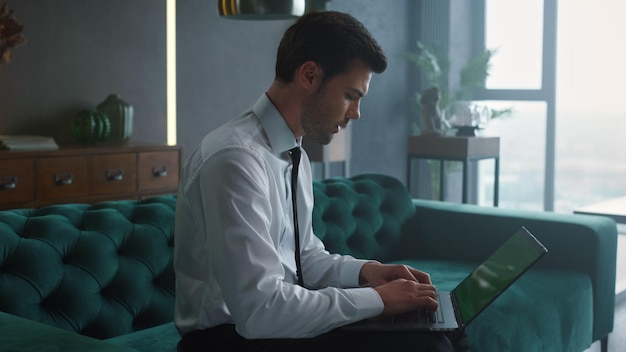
431	114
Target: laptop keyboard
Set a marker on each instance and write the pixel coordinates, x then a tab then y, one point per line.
424	316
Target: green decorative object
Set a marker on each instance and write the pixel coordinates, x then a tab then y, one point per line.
91	126
120	115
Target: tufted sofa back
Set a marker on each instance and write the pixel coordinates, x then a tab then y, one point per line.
99	270
361	216
105	270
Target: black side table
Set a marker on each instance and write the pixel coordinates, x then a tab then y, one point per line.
455	148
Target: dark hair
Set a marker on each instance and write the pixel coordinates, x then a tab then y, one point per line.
331	39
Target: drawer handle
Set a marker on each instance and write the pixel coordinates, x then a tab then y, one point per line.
9	185
63	179
115	175
159	173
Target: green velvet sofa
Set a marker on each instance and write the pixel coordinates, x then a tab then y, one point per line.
104	273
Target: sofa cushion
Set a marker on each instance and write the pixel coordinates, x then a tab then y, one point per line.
22	335
161	338
560	298
100	270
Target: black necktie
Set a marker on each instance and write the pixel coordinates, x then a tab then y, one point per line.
295	158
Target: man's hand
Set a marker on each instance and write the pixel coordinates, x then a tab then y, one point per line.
401	287
374	274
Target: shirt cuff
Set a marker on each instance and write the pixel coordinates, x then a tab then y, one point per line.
350	272
368	303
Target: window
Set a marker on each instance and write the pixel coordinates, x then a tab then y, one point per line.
591	114
518	40
583	119
518	80
522	150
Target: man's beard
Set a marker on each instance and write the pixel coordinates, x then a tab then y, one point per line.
313	112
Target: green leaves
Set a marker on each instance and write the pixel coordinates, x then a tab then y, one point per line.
435	65
474	73
432	62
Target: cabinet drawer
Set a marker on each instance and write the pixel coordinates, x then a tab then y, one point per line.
63	177
158	170
17	183
114	173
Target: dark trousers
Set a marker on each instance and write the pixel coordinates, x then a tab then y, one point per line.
225	338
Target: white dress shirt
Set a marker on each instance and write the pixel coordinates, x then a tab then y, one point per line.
234	240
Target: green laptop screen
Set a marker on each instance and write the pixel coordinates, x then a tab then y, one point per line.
497	273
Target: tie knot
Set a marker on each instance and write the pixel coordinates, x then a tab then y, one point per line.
295	154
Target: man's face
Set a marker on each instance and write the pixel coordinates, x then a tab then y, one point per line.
335	103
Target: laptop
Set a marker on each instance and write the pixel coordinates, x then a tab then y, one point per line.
470	297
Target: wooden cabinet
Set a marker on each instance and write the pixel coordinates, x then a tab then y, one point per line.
17	178
87	175
114	173
62	177
155	169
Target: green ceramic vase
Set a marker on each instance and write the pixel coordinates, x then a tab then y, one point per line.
120	115
91	126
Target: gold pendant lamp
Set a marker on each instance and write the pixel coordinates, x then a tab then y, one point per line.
261	9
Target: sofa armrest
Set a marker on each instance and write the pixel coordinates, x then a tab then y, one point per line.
463	232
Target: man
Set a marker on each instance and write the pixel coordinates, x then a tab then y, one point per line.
235	253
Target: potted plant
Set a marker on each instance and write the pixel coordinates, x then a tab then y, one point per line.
440	109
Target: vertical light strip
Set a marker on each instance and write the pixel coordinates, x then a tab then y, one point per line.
171	70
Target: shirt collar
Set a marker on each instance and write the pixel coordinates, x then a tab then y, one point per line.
278	132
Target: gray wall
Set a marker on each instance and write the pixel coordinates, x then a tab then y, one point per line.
80	51
379	140
77	53
224	65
